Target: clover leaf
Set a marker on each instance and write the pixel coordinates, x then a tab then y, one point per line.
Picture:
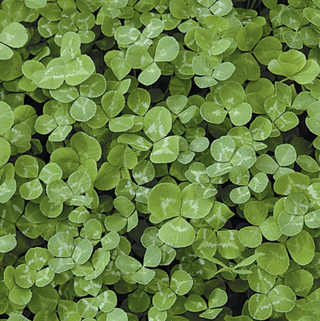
13	35
301	70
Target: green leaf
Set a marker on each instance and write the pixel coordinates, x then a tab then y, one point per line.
205	82
20	296
195	303
259	182
193	205
24	276
50	172
65	94
308	164
300	281
58	191
289	224
152	256
241	114
5	52
229	245
270	229
106	301
301	248
177	233
87	147
232	94
122	156
70	46
153	28
165	150
210	314
221	7
36	258
61	264
250	236
45	124
144	276
150	75
35	4
31	190
79	182
92	230
137	57
120	67
267	49
296	204
79	70
7	190
44	277
7	243
17	317
291	183
260	280
260	307
275	260
126	35
82	251
260	128
87	307
291	18
266	164
110	171
117	315
224	71
244	156
164	299
287	121
202	66
127	264
308	73
94	87
157	123
288	63
14	35
167	49
217	298
7	117
112	103
139	101
222	149
181	282
312	15
135	141
249	36
240	195
219	215
61	244
312	219
110	241
282	298
52	77
48	297
27	167
164	201
199	144
219	46
143	172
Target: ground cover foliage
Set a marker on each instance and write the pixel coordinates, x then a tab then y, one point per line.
159	160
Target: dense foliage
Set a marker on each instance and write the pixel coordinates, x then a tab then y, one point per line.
159	160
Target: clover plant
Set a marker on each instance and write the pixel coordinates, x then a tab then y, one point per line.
159	160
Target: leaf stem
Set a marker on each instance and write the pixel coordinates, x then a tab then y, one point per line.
283	80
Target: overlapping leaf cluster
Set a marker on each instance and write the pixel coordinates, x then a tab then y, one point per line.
159	160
